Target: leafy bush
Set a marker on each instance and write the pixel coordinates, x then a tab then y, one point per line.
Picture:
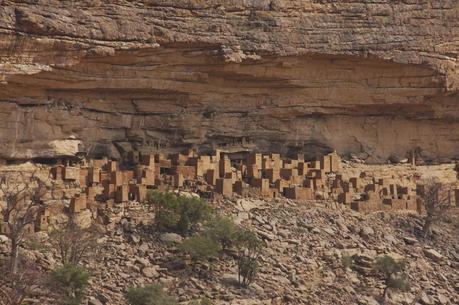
166	206
223	230
249	249
400	283
178	213
149	295
200	248
391	270
70	281
248	243
247	270
387	266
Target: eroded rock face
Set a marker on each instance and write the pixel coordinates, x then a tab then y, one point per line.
378	79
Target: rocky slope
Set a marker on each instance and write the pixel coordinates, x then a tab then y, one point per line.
301	264
378	78
305	243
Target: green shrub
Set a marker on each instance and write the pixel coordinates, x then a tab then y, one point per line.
387	266
248	243
178	213
249	248
223	230
166	206
247	270
149	295
70	281
399	282
392	272
200	248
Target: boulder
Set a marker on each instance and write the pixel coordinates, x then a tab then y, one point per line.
171	238
150	272
433	255
94	301
367	232
3	239
135	238
143	262
409	240
426	300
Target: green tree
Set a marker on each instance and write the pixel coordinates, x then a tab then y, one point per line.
70	281
223	230
392	273
149	295
165	208
249	248
247	270
248	243
200	248
179	213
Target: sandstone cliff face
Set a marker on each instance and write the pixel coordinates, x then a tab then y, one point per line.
378	78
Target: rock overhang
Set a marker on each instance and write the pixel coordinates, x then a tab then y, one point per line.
272	73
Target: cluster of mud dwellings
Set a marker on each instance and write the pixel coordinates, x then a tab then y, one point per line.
379	194
108	182
218	174
370	194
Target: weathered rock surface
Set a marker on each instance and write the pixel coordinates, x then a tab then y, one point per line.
302	262
378	78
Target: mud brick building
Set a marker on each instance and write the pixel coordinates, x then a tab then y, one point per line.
107	183
224	186
71	173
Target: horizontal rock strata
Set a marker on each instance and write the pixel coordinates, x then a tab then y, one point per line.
377	79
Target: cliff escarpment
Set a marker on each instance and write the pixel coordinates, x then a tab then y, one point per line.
373	78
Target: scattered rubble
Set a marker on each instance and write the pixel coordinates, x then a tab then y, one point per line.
306	243
301	264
